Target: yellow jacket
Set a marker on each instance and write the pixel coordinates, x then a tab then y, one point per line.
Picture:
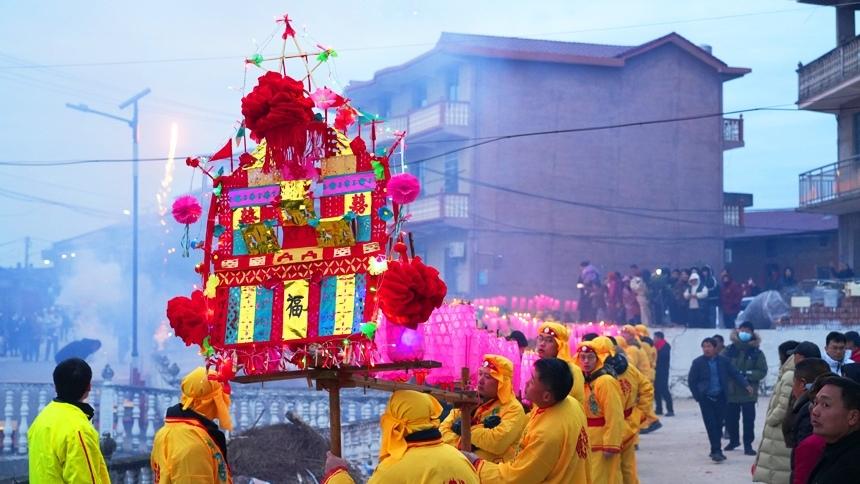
64	447
498	443
429	462
554	450
651	353
638	358
604	409
183	452
638	394
578	389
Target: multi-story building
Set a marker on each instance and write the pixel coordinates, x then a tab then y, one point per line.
535	155
831	84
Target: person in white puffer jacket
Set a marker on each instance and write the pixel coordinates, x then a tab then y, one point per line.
773	462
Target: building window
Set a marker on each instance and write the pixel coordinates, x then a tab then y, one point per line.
452	84
417	169
452	174
732	215
419	95
855	132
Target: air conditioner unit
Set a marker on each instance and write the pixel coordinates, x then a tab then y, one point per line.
457	250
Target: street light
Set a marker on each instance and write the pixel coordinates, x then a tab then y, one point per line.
133	124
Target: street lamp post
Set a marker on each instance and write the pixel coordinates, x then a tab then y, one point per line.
134	377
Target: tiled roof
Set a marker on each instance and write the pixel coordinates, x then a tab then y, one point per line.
516	44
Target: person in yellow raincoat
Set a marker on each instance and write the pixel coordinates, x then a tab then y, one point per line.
190	448
553	342
604	410
647	345
638	405
555	445
63	444
498	423
411	451
635	354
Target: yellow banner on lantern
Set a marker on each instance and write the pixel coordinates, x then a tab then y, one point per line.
247	314
344	304
295	310
237	216
349	203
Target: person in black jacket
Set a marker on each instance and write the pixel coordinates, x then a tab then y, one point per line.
661	380
708	380
836	418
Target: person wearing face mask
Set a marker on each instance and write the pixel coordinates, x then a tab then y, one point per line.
852	346
745	355
797	426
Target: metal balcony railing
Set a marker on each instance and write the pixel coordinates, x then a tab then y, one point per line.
829	70
439	115
439	207
830	182
733	132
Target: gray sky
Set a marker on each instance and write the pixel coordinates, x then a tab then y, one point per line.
97	48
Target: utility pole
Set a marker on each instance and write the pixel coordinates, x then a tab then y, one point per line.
134	377
26	252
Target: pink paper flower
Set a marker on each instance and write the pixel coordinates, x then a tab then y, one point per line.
187	210
404	188
324	98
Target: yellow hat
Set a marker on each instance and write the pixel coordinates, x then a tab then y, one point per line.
642	330
502	370
407	412
561	335
630	329
601	346
206	397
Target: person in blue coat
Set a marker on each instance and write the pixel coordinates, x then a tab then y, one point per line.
709	380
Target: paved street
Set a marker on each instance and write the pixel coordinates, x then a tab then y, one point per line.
678	452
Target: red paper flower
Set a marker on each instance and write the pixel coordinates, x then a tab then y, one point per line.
189	317
404	188
187	210
345	118
410	292
277	110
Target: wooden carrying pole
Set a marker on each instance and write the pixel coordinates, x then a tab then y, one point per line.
465	414
334	417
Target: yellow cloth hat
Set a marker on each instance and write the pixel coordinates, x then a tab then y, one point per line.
407	412
601	346
206	397
561	335
502	370
642	330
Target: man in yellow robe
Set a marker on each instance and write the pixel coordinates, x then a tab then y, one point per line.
633	349
647	345
604	409
553	342
638	395
555	445
190	448
411	451
498	423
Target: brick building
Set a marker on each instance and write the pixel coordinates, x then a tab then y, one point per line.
806	242
517	215
831	84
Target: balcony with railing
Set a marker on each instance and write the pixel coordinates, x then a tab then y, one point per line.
831	80
444	207
833	188
733	133
447	115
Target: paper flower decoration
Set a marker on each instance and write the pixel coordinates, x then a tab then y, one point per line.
345	118
410	291
277	110
187	210
404	188
376	265
325	98
188	318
